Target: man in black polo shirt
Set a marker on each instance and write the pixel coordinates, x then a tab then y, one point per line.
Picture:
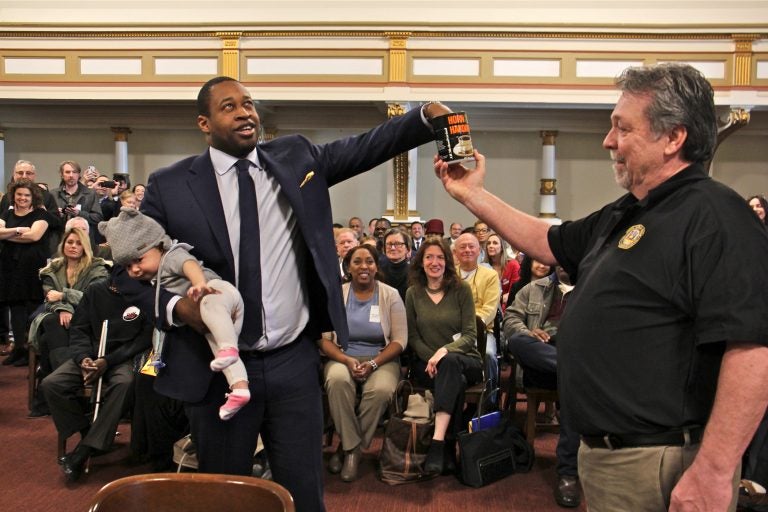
661	351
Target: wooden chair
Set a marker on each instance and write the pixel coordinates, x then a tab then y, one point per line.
533	397
472	393
191	492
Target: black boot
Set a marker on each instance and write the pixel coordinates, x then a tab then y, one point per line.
74	463
449	459
435	462
18	357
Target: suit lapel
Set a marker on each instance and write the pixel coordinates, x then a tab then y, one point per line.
204	187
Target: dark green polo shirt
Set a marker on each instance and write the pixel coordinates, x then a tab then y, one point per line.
661	284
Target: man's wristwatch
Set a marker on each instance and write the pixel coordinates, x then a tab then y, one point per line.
373	364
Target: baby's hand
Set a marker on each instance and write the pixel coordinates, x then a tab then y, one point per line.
198	292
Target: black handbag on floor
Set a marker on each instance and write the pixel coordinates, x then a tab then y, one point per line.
493	453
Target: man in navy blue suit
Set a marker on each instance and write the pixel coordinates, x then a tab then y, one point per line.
197	201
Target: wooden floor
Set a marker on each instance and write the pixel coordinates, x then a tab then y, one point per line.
32	480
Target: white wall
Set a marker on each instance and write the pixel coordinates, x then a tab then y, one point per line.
585	178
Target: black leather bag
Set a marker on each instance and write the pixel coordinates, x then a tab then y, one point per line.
491	454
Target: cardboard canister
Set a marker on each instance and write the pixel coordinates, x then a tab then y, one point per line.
454	142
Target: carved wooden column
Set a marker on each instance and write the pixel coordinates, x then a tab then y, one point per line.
3	179
230	54
404	188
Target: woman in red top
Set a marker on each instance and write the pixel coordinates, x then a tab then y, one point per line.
508	269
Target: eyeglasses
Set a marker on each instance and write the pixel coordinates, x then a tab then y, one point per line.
394	245
482	230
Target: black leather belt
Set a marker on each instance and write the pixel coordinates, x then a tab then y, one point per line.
681	437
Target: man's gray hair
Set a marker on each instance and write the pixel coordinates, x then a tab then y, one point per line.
24	162
77	222
680	96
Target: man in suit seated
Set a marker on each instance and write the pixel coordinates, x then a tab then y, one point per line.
530	326
129	333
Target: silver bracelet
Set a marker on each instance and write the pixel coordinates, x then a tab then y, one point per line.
373	364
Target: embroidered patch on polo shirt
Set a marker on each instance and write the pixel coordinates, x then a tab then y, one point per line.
632	236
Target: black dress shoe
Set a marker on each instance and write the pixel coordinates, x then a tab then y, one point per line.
435	461
15	356
38	413
568	492
22	361
74	463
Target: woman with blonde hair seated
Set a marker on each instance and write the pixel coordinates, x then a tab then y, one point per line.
64	281
377	335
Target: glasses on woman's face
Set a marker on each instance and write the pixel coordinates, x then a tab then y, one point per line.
394	245
481	230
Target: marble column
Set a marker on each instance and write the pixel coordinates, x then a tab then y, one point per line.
121	151
548	188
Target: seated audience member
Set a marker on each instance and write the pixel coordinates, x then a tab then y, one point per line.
481	231
530	270
356	225
760	206
377	336
128	200
486	292
395	263
507	269
454	231
434	228
24	250
103	250
382	226
346	239
368	240
64	281
530	326
442	333
372	226
417	235
129	333
138	192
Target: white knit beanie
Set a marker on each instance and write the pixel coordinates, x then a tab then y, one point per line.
131	234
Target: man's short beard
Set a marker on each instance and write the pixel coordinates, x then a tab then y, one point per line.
622	178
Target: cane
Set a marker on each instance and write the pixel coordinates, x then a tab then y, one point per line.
100	354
